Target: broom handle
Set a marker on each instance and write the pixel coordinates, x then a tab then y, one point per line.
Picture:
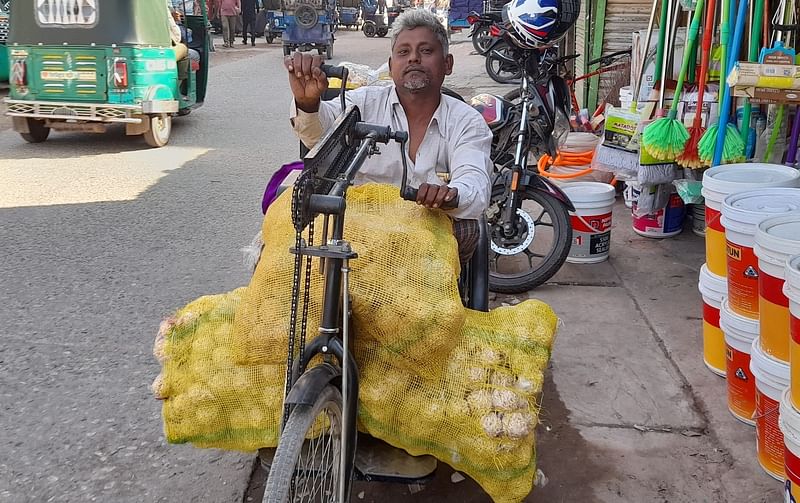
725	111
664	57
663	23
690	40
708	34
642	67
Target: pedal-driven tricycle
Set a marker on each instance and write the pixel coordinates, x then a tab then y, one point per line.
310	24
102	63
320	467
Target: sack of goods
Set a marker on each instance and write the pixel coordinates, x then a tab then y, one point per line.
435	378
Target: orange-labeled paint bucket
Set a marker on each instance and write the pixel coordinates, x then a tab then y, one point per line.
721	181
713	290
791	288
739	335
741	214
777	239
789	423
772	379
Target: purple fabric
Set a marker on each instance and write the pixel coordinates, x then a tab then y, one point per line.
271	192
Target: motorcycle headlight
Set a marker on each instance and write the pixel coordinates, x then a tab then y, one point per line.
561	128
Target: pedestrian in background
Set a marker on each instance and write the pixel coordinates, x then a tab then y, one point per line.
228	12
249	20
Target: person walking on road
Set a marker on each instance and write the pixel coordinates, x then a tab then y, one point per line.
229	12
249	20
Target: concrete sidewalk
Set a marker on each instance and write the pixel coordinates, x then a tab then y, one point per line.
630	412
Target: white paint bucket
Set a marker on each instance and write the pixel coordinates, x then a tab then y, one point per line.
791	288
664	223
789	422
713	290
777	239
719	182
741	214
739	335
772	379
591	221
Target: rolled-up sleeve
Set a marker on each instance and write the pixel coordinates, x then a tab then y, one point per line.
309	127
470	170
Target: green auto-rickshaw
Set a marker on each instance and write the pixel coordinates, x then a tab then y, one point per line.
3	37
80	65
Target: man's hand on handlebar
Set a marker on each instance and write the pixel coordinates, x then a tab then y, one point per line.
306	80
434	196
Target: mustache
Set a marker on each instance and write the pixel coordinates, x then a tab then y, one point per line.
414	68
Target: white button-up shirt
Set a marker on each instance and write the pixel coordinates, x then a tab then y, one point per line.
457	141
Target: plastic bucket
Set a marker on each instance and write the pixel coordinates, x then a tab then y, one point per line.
741	214
591	221
791	288
713	290
789	423
720	181
699	219
739	335
777	239
772	379
664	223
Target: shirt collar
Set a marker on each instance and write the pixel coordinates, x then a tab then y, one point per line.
438	116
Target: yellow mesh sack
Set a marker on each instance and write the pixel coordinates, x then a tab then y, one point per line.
404	283
209	400
456	384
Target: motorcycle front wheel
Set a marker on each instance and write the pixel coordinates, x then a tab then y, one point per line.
501	65
481	39
536	249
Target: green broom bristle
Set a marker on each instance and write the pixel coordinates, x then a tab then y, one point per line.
665	138
732	151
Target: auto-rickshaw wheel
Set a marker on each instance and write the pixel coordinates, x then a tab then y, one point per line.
270	39
38	132
369	29
160	129
287	50
382	31
329	52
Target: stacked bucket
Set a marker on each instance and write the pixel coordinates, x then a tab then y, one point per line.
751	212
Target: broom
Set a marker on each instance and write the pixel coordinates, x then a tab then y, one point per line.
666	137
733	149
729	132
690	158
618	152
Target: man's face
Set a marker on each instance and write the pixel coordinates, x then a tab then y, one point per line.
418	62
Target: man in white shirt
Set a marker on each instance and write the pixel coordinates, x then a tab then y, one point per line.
449	142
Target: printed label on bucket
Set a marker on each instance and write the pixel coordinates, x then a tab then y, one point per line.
741	385
794	370
742	280
716	258
713	340
591	235
774	315
769	438
792	486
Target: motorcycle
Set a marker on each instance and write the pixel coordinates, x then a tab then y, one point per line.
528	215
481	24
502	65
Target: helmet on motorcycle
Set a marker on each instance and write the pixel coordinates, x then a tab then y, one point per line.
535	23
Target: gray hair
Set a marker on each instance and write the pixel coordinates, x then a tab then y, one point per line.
416	18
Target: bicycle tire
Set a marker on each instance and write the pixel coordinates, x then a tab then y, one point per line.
290	448
562	241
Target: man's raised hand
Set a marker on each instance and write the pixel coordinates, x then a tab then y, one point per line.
306	79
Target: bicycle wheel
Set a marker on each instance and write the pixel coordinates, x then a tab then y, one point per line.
538	248
305	468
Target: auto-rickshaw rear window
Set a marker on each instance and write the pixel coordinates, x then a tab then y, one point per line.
66	13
